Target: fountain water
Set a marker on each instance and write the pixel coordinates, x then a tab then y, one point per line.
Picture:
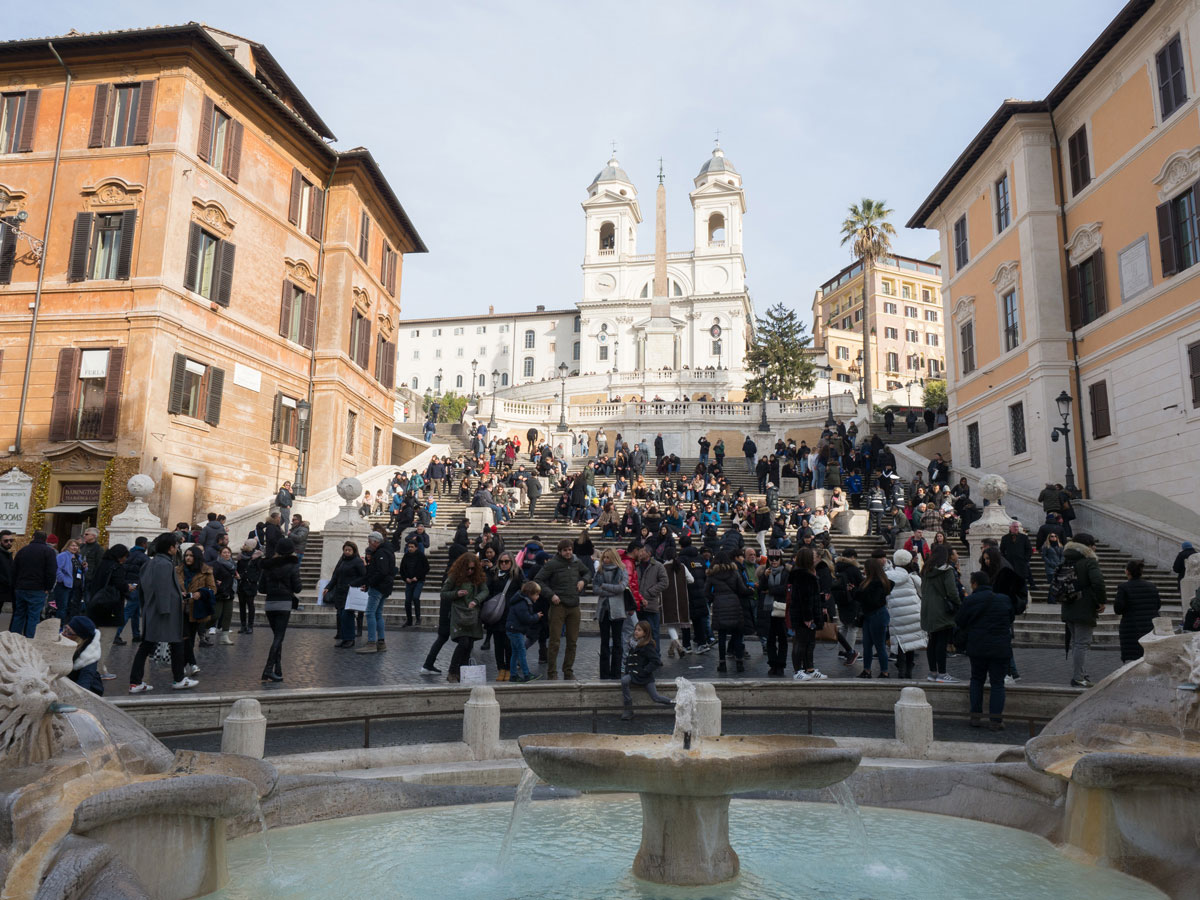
686	728
521	803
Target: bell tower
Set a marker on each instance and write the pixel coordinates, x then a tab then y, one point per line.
718	204
611	219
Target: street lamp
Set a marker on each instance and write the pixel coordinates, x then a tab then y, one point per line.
762	377
562	415
908	387
1064	409
474	366
616	348
830	422
303	412
495	380
859	365
437	385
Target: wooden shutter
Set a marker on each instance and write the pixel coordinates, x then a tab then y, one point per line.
204	145
191	268
216	388
362	353
224	273
1099	285
308	321
110	417
294	203
383	264
389	372
233	152
316	213
1166	240
128	226
1098	394
81	238
29	121
99	116
276	416
178	371
141	128
379	358
1194	372
1074	297
285	308
8	248
64	384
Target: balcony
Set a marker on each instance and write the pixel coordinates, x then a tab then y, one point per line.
85	424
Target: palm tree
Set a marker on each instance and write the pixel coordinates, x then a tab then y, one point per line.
869	234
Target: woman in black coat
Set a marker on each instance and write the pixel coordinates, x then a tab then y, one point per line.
504	576
281	583
1137	604
349	568
730	594
986	620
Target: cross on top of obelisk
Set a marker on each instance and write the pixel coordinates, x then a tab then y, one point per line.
660	170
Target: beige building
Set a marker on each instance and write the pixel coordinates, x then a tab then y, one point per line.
907	339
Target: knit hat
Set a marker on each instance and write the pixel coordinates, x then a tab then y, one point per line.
285	547
1084	538
1187	545
901	558
82	627
376	537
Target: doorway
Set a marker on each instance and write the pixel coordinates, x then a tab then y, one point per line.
183	500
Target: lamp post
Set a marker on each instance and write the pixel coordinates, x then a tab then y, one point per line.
1064	409
437	385
303	412
763	425
562	414
858	364
908	388
495	380
474	366
616	361
830	422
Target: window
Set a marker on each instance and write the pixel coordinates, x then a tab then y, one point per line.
527	368
376	441
858	315
931	315
842	377
101	246
529	339
285	423
1172	85
603	352
1016	427
893	362
847	323
298	315
1003	204
437	332
351	427
973	446
1086	297
503	379
306	208
1179	232
575	351
196	390
894	385
360	339
1012	333
911	312
8	247
1098	395
364	237
890	308
220	140
1194	372
842	353
608	236
888	288
482	329
458	381
87	394
906	292
891	333
18	116
482	380
483	351
1080	165
458	332
385	362
578	324
416	382
209	267
910	335
504	329
416	332
121	114
459	352
504	350
387	269
966	340
935	368
417	354
913	363
960	242
931	340
926	296
715	350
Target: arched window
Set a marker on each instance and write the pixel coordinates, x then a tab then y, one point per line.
503	379
482	377
576	351
608	236
578	324
529	341
414	382
716	230
676	289
458	381
646	290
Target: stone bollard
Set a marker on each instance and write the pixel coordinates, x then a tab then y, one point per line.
481	723
708	710
914	721
244	730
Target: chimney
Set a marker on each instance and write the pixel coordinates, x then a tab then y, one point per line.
541	307
491	310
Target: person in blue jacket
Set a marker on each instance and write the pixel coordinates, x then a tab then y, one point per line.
524	621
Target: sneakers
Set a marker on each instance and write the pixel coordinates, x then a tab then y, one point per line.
140	688
184	685
380	646
851	659
948	679
802	676
1008	679
108	676
271	676
1083	683
191	669
213	630
367	647
430	670
932	676
703	647
817	675
118	641
865	673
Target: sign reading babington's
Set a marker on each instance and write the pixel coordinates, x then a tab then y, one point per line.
15	488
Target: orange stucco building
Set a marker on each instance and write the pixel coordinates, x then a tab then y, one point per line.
1070	232
211	267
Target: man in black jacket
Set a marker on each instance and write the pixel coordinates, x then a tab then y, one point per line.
6	568
533	490
379	578
34	569
749	450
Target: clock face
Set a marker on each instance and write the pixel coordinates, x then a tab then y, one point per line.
605	283
715	331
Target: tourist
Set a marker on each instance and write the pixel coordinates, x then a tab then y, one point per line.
465	589
68	582
379	580
1052	557
719	452
224	570
562	578
986	618
90	551
503	578
807	614
283	500
249	572
585	550
652	582
162	615
846	577
750	451
889	420
871	597
348	570
1018	550
1005	580
85	662
697	567
280	583
730	595
7	539
611	584
641	660
1179	567
1081	602
132	575
1137	603
940	601
773	591
521	626
904	612
414	568
199	599
272	533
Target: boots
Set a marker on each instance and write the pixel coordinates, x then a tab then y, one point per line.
721	666
224	638
741	666
367	647
627	715
487	642
502	675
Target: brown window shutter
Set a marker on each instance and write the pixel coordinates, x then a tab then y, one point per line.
81	239
1098	395
383	264
1166	240
233	152
178	370
294	202
389	373
99	116
1074	298
141	128
392	273
29	121
110	417
364	237
276	416
191	268
128	227
316	213
64	384
204	145
1194	372
1100	287
8	248
379	358
308	321
216	388
285	308
224	273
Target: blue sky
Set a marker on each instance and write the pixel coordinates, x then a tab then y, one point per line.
490	119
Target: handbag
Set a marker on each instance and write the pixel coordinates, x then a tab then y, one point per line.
630	602
104	608
463	619
827	632
495	608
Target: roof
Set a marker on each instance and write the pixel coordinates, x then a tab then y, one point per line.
718	163
1129	16
485	316
611	172
363	155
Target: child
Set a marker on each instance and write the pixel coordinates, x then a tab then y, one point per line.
641	659
523	620
85	664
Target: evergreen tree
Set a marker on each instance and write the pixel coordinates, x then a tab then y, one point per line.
935	394
779	344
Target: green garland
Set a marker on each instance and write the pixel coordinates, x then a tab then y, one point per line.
105	513
41	492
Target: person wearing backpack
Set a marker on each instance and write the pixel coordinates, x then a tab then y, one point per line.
846	577
1082	595
505	581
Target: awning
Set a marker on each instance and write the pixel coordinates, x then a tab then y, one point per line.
68	508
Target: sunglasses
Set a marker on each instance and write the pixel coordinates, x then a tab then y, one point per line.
506	562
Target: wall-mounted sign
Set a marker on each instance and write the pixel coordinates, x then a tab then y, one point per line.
15	490
80	493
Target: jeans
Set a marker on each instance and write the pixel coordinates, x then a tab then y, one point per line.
62	602
627	692
223	612
132	614
374	615
701	629
559	616
137	673
935	653
737	647
990	668
610	648
875	639
246	610
519	663
27	612
777	643
819	475
278	622
1081	642
750	464
345	625
412	601
462	654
